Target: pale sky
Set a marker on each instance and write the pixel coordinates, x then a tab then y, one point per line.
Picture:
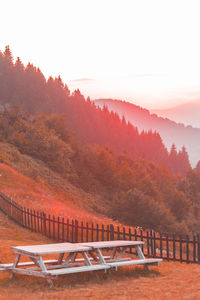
147	52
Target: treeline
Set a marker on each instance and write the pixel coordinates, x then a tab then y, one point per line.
27	87
133	191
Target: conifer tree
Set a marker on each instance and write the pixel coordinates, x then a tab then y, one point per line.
183	161
173	159
18	64
8	54
198	166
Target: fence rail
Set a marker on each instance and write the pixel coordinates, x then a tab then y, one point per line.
174	248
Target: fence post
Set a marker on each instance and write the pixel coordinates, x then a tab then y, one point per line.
152	244
92	232
76	231
58	228
112	232
22	220
44	223
63	230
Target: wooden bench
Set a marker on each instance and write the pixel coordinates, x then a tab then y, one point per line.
77	269
52	262
26	264
152	261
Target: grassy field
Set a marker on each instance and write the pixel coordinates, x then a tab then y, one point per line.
169	281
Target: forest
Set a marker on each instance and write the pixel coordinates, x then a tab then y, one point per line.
139	181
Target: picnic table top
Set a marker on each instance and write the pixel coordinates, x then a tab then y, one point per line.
50	248
110	244
69	247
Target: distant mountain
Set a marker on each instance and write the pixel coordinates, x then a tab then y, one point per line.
187	113
170	131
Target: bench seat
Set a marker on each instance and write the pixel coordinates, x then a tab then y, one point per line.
135	262
4	267
24	264
77	269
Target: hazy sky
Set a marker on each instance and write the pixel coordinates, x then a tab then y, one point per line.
145	51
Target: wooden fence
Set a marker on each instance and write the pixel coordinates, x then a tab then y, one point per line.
175	248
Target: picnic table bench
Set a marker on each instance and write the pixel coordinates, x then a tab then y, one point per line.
90	258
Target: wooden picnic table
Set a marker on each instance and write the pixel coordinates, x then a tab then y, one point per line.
92	258
119	248
49	268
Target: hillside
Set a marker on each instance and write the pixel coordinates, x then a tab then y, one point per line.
34	185
170	131
181	278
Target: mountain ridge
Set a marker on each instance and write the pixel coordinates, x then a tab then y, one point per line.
187	113
170	131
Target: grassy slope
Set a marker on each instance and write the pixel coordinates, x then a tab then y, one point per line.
169	281
33	185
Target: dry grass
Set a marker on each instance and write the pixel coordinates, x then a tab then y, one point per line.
169	281
31	183
40	196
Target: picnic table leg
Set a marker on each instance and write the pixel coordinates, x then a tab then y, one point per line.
101	258
87	260
60	258
71	257
17	258
35	262
74	257
93	255
139	252
112	255
43	268
141	255
121	253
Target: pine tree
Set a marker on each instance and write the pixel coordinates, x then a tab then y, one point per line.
173	159
183	161
198	166
8	54
19	65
